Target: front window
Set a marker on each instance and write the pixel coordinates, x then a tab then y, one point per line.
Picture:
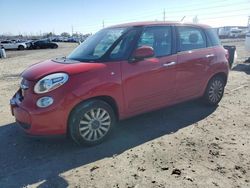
97	45
157	37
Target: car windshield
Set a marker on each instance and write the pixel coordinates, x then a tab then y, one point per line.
94	47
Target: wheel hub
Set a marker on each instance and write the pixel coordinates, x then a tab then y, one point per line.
95	124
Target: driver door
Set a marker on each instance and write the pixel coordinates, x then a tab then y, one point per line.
150	83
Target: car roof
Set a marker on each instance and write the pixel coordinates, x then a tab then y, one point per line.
158	23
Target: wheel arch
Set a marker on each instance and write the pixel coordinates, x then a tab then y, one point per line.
223	75
20	45
108	99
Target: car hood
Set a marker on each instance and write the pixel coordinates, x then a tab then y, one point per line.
39	70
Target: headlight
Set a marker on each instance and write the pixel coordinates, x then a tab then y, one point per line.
50	82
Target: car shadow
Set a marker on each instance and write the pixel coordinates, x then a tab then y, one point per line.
26	161
243	67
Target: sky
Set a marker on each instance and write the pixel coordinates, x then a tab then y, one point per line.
88	16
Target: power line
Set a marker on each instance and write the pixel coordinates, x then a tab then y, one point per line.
209	7
236	15
180	12
216	12
72	29
156	12
179	7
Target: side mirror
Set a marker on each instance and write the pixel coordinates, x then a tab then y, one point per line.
143	52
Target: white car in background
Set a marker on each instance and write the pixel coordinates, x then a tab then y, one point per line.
7	45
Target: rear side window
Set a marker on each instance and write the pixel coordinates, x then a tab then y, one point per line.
190	38
213	39
159	38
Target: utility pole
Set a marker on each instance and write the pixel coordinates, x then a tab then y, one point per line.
195	19
248	24
103	24
72	30
164	15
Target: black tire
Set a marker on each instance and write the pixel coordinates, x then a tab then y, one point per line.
214	91
55	46
78	115
20	47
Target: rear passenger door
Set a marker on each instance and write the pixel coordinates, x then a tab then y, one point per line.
193	61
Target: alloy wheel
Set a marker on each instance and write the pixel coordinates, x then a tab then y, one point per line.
215	91
94	124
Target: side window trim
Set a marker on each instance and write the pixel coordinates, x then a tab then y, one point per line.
178	38
174	40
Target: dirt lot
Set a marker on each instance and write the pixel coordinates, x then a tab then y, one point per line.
188	145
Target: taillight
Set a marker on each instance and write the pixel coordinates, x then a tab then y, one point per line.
227	54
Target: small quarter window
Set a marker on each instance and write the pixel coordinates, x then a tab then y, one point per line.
105	43
123	48
213	37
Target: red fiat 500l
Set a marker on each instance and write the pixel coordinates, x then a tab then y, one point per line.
119	72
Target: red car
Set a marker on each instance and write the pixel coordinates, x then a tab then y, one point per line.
120	72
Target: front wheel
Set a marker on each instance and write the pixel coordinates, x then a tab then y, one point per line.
91	122
214	91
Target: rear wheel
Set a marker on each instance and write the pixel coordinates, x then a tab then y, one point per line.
20	47
214	91
91	122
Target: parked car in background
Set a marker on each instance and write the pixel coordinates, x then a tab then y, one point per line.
235	33
72	39
120	72
57	39
43	44
8	45
28	43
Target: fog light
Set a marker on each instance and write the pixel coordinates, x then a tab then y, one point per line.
44	102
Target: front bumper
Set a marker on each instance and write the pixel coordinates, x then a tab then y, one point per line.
21	115
38	121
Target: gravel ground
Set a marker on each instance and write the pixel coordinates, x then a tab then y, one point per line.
188	145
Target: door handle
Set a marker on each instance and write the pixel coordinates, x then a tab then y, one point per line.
209	55
169	64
